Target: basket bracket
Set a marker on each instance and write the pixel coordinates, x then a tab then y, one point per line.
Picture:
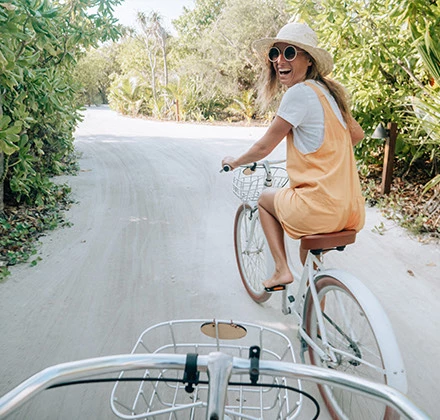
191	375
254	369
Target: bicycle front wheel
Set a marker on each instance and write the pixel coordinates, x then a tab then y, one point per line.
353	336
251	252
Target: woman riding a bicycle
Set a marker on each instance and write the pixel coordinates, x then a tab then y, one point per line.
324	194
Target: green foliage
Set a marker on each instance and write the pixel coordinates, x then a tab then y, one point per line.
193	22
21	227
208	69
9	135
426	106
244	107
129	95
192	102
93	73
131	57
220	63
431	184
41	41
377	50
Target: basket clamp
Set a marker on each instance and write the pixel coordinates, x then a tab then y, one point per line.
254	369
191	375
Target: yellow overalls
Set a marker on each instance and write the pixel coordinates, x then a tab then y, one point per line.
324	194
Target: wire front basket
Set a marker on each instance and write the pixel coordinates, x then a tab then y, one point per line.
169	400
248	187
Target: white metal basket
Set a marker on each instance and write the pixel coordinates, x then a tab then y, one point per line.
169	400
248	187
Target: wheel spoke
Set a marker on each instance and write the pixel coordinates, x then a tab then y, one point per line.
250	249
357	350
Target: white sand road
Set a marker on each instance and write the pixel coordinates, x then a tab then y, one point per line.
152	241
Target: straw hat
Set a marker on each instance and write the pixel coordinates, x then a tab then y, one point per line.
301	35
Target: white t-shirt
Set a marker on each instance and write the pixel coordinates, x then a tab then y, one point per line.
300	106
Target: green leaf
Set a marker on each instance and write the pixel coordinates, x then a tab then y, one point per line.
7	146
50	13
4	122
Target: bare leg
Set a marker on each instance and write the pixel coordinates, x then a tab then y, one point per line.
275	237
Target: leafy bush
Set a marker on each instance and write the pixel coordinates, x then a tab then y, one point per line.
39	110
130	95
41	41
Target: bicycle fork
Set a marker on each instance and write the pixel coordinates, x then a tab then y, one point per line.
253	217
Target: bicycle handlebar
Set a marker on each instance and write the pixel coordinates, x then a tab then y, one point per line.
254	165
220	367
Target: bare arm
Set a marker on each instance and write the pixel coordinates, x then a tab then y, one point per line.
356	132
260	149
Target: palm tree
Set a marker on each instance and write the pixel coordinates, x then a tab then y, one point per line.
427	106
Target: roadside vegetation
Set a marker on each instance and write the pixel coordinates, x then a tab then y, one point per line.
42	41
58	55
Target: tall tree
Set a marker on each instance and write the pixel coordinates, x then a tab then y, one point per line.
215	46
155	38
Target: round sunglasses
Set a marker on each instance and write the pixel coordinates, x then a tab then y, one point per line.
289	53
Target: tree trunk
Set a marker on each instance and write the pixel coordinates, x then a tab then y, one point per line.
165	65
152	60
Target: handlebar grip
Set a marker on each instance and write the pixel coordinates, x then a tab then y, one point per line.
226	168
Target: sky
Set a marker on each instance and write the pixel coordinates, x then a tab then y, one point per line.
168	9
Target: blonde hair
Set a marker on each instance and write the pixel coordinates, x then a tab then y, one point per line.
269	87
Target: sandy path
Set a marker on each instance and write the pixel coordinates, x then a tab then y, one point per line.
152	241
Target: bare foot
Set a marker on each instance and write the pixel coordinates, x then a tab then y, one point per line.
279	278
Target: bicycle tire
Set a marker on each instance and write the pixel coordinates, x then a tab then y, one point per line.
253	262
349	329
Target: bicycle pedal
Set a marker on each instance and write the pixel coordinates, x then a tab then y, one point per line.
291	298
278	288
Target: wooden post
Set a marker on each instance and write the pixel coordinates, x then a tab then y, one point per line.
388	161
176	102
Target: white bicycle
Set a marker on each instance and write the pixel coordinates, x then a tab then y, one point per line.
341	325
208	369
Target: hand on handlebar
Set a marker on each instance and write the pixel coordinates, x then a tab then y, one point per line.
227	164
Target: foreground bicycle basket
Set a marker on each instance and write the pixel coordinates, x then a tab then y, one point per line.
131	400
253	386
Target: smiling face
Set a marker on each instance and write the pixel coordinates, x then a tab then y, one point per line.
291	72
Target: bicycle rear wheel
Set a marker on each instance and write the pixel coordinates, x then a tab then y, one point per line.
358	351
251	252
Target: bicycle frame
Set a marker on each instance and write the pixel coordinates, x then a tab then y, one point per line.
341	324
293	303
297	307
